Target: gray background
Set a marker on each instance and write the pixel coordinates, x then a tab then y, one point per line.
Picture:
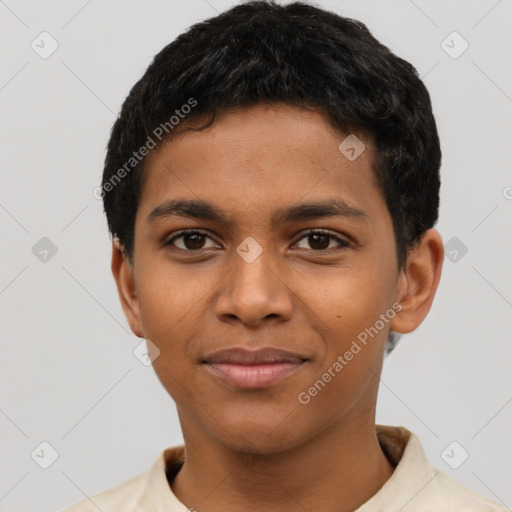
68	373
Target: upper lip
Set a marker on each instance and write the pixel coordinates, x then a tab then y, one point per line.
253	357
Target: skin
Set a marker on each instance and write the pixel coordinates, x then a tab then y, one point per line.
262	447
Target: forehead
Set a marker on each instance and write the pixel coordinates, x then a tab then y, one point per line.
255	160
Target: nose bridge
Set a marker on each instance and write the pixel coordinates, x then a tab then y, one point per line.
253	290
253	268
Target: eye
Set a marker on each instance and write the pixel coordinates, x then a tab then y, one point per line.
195	240
320	240
192	240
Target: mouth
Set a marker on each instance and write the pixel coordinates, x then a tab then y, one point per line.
246	369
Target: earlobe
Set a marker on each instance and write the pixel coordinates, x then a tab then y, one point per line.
125	282
418	282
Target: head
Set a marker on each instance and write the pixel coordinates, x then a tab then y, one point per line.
304	156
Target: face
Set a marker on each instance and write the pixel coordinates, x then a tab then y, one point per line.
259	269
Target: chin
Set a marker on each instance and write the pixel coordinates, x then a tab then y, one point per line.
261	432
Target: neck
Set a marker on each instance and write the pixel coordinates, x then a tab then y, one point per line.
336	471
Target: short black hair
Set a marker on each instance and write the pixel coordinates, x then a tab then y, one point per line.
300	54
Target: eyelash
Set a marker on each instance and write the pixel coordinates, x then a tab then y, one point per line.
343	243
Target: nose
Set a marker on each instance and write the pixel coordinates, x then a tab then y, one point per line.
254	292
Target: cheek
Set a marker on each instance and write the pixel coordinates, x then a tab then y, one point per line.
354	337
165	317
357	315
166	312
172	310
350	300
167	298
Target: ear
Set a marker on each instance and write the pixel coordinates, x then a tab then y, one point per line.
125	282
418	281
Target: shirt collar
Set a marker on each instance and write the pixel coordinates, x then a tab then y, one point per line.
413	471
412	474
158	495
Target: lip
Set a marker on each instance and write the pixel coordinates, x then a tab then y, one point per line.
247	369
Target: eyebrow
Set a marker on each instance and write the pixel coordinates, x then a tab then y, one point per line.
199	209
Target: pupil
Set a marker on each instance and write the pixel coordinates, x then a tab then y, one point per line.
193	239
315	238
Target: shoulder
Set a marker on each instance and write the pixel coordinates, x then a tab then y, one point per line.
455	496
147	491
418	486
121	497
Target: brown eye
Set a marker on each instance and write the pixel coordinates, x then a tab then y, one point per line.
321	240
318	241
193	241
190	240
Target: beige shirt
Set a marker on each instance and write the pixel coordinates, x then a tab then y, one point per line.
415	486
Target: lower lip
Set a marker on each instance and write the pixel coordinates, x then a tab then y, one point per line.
253	376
